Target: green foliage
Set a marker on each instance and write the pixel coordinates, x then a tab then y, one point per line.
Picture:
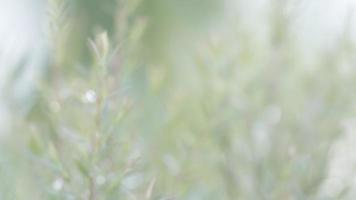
232	117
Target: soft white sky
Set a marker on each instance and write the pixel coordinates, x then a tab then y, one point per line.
21	36
317	22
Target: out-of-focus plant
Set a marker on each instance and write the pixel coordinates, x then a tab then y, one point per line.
237	116
81	147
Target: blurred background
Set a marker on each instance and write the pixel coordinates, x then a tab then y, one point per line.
177	99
